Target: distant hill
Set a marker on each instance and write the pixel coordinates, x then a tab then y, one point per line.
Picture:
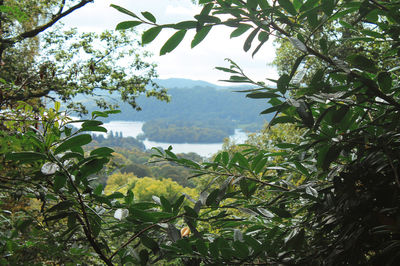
185	83
194	104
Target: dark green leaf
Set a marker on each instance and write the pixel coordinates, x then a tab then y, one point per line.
63	205
190	212
190	24
363	63
59	181
331	156
212	198
241	249
149	35
385	81
127	25
103	151
249	40
123	10
242	28
144	257
200	35
282	120
149	16
94	129
165	204
328	6
288	6
280	212
262	95
76	141
201	247
57	217
25	157
149	243
283	83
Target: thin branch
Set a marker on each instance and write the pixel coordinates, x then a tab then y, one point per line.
36	31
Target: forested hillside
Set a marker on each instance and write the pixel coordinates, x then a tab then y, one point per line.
198	112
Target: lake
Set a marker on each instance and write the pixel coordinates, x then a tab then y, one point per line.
134	128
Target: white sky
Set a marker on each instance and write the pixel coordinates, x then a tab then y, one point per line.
198	63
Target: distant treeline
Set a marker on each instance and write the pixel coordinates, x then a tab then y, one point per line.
191	114
117	140
168	130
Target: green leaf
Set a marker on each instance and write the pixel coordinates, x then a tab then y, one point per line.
247	187
385	81
363	63
103	151
142	216
331	155
144	257
200	35
64	205
281	212
98	190
190	24
166	206
25	157
243	162
262	95
276	108
282	120
127	25
129	197
94	129
301	168
211	199
283	83
288	6
190	212
93	166
201	247
57	217
149	16
178	204
149	243
125	11
76	141
241	249
149	35
242	28
173	42
249	40
309	4
328	6
252	242
59	181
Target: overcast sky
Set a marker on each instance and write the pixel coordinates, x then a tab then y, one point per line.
198	63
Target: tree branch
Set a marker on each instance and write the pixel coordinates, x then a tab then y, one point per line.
36	31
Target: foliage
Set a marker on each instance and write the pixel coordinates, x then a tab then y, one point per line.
346	210
254	211
41	60
145	188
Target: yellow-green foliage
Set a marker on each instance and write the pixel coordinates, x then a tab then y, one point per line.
144	188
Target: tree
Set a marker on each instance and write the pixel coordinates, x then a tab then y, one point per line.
39	59
347	105
344	212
